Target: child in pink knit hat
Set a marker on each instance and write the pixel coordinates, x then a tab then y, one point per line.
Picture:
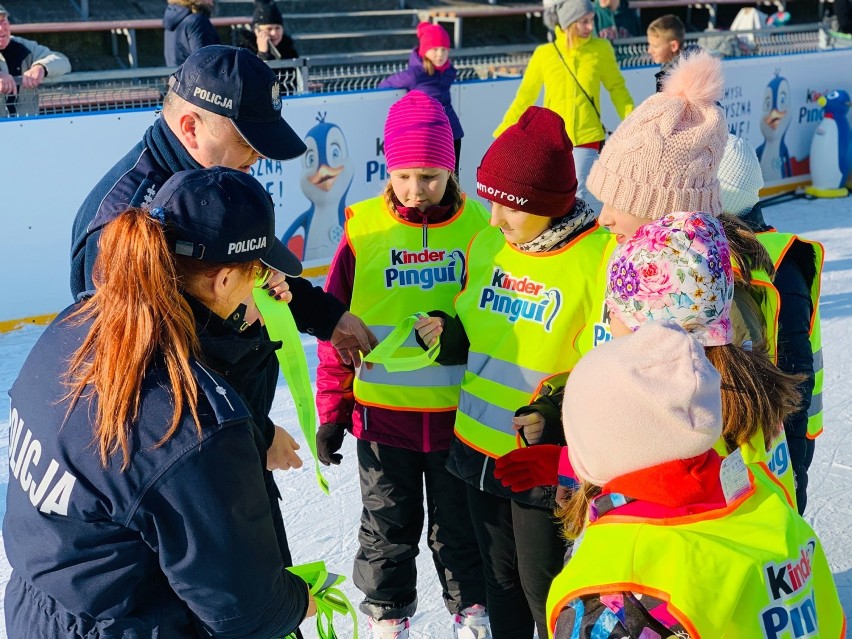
675	541
401	252
430	71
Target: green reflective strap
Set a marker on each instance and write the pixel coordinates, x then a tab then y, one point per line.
328	598
291	356
384	352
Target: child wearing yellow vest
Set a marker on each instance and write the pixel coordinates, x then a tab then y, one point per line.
663	158
403	252
675	541
520	323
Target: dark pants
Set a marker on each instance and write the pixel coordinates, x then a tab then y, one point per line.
392	482
522	552
841	10
801	456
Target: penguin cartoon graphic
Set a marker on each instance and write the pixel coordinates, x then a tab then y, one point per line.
325	180
775	161
831	153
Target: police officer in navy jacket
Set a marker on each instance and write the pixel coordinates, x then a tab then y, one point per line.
136	504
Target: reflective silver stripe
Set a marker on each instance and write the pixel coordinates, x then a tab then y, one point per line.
818	361
487	414
523	379
816	405
382	332
428	377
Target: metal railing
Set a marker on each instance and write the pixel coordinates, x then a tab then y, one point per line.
145	88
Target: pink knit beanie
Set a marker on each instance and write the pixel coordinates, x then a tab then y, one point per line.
639	401
677	268
663	158
431	36
418	134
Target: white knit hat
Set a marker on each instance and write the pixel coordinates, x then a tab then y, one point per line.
639	401
740	177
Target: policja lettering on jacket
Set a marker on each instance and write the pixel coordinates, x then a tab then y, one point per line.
27	455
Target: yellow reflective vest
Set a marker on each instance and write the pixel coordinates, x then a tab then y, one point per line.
529	317
754	569
593	63
396	276
778	244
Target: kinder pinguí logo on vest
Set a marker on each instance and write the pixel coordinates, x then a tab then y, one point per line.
792	612
424	269
521	298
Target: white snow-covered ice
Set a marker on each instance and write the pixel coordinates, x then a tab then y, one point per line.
325	527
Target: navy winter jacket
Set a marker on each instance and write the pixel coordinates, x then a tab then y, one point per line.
134	181
179	545
185	32
435	86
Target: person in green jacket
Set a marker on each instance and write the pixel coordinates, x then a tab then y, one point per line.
571	69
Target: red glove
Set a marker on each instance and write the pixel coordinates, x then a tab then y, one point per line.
529	467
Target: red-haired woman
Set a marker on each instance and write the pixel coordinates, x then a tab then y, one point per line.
137	504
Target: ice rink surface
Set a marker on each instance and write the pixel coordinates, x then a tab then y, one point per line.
325	527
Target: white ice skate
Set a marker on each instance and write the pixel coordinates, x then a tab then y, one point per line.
389	628
472	623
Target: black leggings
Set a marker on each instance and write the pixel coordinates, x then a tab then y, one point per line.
522	552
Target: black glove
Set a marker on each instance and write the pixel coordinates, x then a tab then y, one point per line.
329	441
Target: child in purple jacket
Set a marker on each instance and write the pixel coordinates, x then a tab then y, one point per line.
430	71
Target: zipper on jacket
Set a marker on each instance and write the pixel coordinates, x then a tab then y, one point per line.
365	419
482	474
425	230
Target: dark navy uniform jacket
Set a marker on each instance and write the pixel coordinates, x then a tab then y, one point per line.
180	545
133	181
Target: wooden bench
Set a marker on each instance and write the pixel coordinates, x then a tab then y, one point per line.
456	15
126	28
712	7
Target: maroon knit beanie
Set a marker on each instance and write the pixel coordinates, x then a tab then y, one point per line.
530	167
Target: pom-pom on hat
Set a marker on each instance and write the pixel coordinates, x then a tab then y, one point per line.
677	268
664	157
266	12
672	394
740	177
529	167
431	36
418	134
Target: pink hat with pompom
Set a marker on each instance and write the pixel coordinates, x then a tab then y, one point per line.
664	157
431	36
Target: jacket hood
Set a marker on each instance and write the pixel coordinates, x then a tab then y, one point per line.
414	60
174	15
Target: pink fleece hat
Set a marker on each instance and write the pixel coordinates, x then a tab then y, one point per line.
664	156
640	401
431	36
418	134
677	268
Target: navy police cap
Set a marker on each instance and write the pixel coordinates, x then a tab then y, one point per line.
235	83
221	215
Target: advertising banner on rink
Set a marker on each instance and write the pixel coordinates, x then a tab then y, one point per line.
51	163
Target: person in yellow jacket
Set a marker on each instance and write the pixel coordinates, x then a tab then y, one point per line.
522	321
676	542
571	70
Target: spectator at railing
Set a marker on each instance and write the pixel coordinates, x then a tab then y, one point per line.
28	61
267	37
615	19
187	28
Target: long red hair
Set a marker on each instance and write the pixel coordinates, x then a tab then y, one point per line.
136	313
